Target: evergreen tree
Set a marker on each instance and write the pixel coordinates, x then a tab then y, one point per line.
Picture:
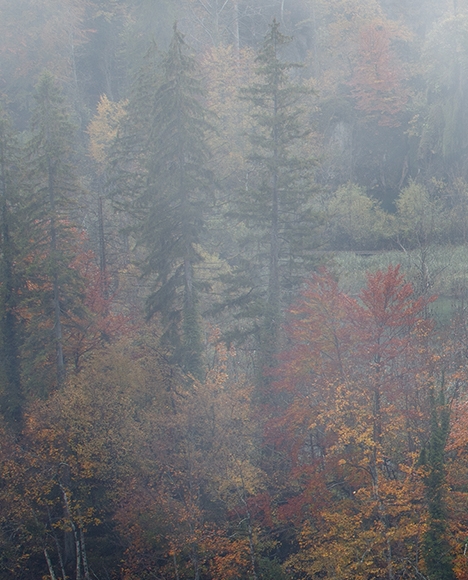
11	284
162	155
275	205
436	549
53	186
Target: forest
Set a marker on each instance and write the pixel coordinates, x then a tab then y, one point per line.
234	289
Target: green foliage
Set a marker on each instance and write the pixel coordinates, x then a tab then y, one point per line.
162	473
12	281
438	270
356	220
421	218
275	205
437	554
164	168
53	186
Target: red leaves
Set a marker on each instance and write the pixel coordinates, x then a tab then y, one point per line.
334	335
99	322
317	331
388	299
388	314
354	383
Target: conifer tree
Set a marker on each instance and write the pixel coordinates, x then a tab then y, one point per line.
275	204
10	206
163	155
436	548
53	186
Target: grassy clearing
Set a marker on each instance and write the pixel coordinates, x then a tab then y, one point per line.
439	270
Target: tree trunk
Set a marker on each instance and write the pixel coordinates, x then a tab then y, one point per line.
55	280
49	565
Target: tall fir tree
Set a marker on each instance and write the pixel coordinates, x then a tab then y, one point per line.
53	187
436	549
12	397
275	205
162	156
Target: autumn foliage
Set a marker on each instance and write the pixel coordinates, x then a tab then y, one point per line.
357	381
337	482
378	79
262	417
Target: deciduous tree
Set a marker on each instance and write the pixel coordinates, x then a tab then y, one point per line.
377	82
356	378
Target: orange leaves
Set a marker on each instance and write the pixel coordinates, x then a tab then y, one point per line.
378	77
191	468
355	381
318	327
98	322
80	449
347	352
231	558
459	432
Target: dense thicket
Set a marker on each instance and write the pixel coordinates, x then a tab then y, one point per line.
221	355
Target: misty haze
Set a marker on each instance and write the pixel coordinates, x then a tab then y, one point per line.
233	289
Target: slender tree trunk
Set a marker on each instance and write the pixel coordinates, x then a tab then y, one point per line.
57	546
272	318
377	443
253	560
55	280
274	286
78	548
176	567
84	555
188	273
59	554
274	282
252	549
78	551
49	565
102	250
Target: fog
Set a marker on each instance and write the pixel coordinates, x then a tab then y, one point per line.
233	283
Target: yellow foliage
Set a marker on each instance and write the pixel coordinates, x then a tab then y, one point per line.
103	128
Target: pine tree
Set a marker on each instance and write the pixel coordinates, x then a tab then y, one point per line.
436	548
11	282
163	155
53	185
275	204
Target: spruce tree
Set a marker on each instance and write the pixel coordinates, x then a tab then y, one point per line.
163	158
12	397
275	205
53	187
436	549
